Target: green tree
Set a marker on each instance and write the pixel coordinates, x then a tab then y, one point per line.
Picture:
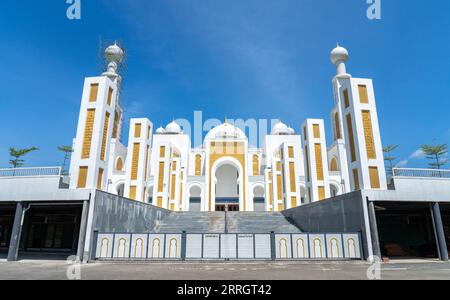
16	160
436	153
388	156
68	150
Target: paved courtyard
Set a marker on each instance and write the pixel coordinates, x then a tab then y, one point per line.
56	269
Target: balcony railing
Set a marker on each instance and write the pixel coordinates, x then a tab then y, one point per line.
31	172
421	173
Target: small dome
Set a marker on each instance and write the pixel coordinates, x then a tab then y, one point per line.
160	130
173	128
114	53
281	128
338	54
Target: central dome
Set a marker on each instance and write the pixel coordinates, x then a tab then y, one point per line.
225	130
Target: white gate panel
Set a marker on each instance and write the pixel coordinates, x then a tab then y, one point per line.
228	246
352	246
300	246
156	246
194	246
262	246
334	246
122	246
104	246
173	246
245	246
317	246
283	246
139	246
211	246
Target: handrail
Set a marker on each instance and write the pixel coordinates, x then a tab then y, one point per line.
421	173
31	172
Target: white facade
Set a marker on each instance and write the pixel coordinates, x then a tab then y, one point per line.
160	167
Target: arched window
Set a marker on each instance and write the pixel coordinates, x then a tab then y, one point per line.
334	165
119	164
337	127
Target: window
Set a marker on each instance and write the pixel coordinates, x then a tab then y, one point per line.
363	97
316	131
137	130
88	130
93	92
346	99
351	138
82	177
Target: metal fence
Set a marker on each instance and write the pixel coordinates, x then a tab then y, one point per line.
31	172
421	173
230	246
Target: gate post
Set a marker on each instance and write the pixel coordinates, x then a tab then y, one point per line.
183	246
16	233
273	255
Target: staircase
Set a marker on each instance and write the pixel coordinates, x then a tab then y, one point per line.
259	222
192	222
233	222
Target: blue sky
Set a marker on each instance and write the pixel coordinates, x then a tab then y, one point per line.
241	59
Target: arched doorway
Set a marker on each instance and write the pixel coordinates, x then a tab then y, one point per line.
334	189
150	194
120	188
195	198
259	198
227	188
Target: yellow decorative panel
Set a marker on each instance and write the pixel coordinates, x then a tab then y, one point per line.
321	191
333	165
174	165
293	201
135	161
82	177
110	94
363	97
119	164
280	206
346	99
105	137
88	130
368	134
351	137
292	177
374	178
308	175
279	166
279	187
93	92
116	124
162	151
100	179
356	179
198	165
133	192
173	186
159	202
255	165
291	151
319	162
337	126
147	153
316	131
161	177
137	130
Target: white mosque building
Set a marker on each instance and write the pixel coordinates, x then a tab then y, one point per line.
225	173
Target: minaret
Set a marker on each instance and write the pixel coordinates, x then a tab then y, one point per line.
356	129
96	123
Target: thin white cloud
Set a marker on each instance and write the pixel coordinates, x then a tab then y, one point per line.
402	163
417	154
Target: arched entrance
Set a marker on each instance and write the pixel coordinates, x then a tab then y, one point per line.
227	191
259	198
195	197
